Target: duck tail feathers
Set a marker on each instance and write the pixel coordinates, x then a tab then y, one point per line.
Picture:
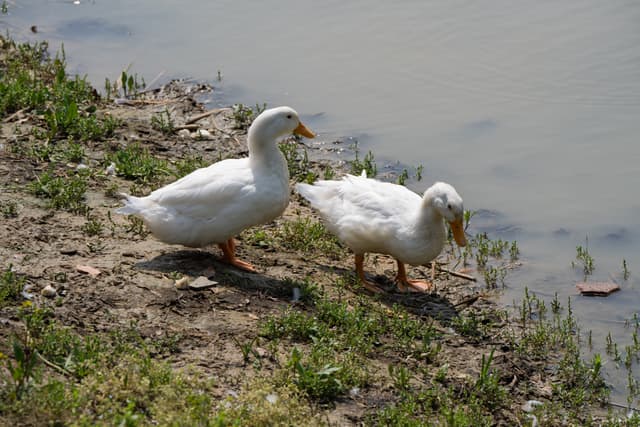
133	205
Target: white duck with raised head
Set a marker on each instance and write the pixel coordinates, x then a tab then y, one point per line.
215	203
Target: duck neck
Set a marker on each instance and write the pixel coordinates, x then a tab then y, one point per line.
264	153
430	219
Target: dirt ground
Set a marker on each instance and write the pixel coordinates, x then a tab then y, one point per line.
136	283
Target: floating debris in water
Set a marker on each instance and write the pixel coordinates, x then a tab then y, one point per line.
599	289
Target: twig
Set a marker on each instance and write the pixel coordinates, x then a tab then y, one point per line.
619	405
203	115
54	366
468	301
14	115
187	126
455	273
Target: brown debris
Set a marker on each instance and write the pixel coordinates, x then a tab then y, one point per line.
600	289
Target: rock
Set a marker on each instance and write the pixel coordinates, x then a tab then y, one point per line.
93	272
182	283
110	170
202	283
184	133
601	289
202	134
49	291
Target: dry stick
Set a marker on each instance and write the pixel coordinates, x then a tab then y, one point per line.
455	273
187	126
14	115
468	301
54	366
203	115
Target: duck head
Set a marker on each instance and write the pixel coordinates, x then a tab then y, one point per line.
275	123
446	200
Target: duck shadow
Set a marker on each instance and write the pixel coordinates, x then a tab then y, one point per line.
196	263
422	304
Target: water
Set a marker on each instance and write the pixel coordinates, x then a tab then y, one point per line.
531	109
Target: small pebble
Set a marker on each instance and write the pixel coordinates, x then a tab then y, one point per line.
184	133
202	283
110	170
203	134
82	166
49	291
182	283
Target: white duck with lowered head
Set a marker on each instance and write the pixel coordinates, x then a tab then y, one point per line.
215	203
373	216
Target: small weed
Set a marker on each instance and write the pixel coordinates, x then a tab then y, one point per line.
328	173
514	252
127	86
322	384
418	174
309	237
93	227
403	177
4	8
494	276
584	257
487	388
625	270
243	115
135	162
247	349
163	122
9	209
66	193
298	164
11	286
136	227
367	164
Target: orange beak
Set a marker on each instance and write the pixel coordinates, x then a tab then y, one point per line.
458	232
304	131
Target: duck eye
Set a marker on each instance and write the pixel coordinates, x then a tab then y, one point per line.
288	116
449	206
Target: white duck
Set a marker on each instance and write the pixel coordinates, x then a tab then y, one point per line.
373	216
213	204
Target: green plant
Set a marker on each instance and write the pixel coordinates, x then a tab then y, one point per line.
625	270
163	122
136	227
368	164
403	177
66	193
322	384
298	164
487	388
11	286
310	237
9	209
418	174
584	257
93	227
4	8
137	163
243	115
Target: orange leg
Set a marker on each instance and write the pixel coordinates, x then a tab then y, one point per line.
360	271
229	251
405	284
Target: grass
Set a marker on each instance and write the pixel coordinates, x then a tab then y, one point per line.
137	163
367	164
298	163
11	286
309	237
9	209
243	115
62	192
584	259
163	122
31	81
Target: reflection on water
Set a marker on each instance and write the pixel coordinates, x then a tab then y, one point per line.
531	110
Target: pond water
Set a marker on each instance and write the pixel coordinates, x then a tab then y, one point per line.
530	109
